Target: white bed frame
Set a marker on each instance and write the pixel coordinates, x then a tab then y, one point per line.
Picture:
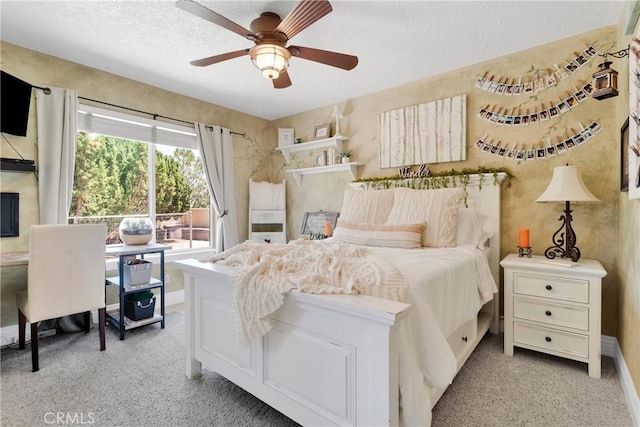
329	359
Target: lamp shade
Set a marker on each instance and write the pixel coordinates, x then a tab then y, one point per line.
567	185
271	59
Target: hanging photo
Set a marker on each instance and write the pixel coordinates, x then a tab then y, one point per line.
540	153
580	95
580	60
551	80
533	118
571	101
590	51
563	107
544	115
561	148
561	73
571	67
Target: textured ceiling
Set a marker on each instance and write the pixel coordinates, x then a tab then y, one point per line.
396	42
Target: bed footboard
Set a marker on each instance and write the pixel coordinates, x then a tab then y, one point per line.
328	360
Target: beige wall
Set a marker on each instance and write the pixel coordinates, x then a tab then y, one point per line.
628	249
251	153
598	159
596	225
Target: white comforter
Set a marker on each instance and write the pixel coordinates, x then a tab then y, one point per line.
268	271
446	288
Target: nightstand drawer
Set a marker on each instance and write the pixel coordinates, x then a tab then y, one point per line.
551	287
550	339
553	314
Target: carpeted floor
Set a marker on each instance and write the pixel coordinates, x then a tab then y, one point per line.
140	382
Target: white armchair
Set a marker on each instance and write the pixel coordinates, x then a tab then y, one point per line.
65	276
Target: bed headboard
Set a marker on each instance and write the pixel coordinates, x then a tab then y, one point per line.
483	194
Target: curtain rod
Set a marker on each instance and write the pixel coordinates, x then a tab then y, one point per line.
154	115
47	91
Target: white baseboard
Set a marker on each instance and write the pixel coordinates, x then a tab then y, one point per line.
9	334
628	389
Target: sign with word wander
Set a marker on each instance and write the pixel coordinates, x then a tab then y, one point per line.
434	132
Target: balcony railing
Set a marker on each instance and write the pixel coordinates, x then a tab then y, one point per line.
176	229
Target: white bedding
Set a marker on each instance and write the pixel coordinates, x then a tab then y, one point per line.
455	282
446	288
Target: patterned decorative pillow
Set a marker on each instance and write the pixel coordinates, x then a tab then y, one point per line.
439	208
391	236
366	206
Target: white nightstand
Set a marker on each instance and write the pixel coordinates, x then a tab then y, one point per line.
553	309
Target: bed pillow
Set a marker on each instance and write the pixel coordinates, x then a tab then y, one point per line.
470	229
439	208
366	206
407	236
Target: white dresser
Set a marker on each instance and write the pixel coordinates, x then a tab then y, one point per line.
553	309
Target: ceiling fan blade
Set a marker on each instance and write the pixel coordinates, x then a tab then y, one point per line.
219	58
335	59
211	16
282	81
304	14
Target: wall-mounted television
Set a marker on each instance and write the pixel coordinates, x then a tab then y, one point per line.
9	214
16	98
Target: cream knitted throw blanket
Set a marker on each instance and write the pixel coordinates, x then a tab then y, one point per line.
269	270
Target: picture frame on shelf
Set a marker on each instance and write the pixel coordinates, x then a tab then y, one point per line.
321	131
624	156
313	223
285	137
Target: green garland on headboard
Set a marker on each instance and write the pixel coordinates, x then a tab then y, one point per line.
434	180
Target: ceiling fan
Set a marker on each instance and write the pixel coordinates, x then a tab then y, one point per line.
270	35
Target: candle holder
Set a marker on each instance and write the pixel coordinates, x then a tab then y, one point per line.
524	251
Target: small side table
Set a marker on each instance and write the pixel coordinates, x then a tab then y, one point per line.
553	309
118	319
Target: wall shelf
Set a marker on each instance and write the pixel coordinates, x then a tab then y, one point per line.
312	145
347	167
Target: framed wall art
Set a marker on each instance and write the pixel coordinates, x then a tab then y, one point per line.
434	132
624	156
633	150
321	131
285	137
313	222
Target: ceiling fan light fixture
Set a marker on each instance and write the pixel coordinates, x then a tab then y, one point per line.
271	59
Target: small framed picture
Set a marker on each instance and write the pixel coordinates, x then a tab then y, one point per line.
285	137
321	131
313	223
624	156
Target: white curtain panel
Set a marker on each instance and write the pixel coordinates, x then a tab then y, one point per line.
57	132
216	149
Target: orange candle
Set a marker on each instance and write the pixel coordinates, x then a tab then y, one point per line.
523	238
327	229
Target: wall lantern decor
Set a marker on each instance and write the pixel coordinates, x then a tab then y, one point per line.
605	80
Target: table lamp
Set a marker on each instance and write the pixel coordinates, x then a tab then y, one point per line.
566	186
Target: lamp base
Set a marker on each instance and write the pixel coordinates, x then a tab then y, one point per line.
564	236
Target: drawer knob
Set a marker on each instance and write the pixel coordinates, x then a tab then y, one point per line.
547	339
548	313
548	287
464	339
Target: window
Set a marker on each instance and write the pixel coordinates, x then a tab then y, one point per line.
127	166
